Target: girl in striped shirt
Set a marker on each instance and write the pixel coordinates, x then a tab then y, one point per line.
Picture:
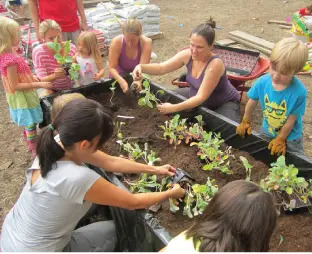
46	66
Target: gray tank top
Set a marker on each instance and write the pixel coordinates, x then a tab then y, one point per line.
223	92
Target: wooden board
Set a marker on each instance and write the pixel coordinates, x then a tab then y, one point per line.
279	22
225	42
284	27
252	39
251	45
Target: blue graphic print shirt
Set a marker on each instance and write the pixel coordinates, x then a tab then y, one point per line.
278	105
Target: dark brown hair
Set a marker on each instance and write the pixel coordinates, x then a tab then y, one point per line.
206	30
78	120
309	7
240	217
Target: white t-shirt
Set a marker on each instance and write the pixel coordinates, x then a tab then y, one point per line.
47	212
88	70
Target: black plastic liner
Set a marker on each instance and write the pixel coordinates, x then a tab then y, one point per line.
138	230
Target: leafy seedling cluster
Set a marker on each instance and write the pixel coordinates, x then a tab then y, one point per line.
148	99
208	143
284	183
62	58
196	199
133	149
175	130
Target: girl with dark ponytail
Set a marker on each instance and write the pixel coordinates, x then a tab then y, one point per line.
206	76
239	218
60	188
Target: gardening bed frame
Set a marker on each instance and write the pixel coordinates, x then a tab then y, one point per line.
138	230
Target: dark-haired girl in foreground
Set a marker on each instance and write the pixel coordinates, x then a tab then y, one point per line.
206	75
59	194
240	218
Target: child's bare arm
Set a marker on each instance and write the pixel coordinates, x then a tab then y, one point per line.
249	109
16	86
287	127
100	74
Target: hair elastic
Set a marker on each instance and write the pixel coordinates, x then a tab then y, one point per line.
51	127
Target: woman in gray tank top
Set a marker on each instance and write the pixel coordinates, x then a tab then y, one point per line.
60	189
206	75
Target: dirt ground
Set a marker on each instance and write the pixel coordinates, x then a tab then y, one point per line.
177	20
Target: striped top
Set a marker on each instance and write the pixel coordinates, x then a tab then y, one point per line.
45	65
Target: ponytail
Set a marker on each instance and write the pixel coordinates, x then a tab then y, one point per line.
206	30
48	150
80	119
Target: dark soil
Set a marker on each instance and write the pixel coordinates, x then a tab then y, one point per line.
145	127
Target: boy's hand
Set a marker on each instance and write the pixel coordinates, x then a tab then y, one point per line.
243	128
277	146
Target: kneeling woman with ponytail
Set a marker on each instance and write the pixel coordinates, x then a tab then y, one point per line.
58	195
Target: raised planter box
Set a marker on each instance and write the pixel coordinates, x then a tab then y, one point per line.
139	230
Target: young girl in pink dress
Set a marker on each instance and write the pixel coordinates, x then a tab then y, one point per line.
19	83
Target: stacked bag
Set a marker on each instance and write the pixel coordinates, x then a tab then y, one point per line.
108	17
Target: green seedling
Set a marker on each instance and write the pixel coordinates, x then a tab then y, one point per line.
112	88
134	151
144	184
74	71
152	158
64	59
203	195
149	98
247	166
196	198
281	240
120	137
174	205
209	151
195	130
188	201
283	178
175	130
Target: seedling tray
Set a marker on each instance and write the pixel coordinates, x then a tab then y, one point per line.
239	62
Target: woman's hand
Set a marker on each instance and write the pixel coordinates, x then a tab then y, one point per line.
124	86
176	191
137	73
165	170
59	73
166	108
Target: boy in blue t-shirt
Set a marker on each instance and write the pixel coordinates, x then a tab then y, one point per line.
282	98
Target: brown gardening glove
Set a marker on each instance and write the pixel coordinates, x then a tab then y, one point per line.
277	146
243	128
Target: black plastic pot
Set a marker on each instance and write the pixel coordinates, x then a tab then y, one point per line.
139	230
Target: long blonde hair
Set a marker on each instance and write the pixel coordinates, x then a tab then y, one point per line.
48	24
90	41
9	28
